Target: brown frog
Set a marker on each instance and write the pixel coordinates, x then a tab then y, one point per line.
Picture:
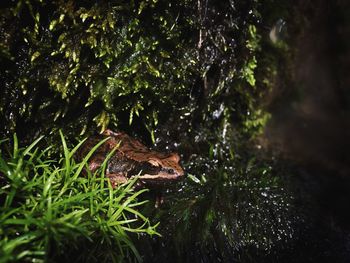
131	158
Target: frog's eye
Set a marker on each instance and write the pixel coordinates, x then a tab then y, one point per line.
171	171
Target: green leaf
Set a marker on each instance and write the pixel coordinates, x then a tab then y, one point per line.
52	25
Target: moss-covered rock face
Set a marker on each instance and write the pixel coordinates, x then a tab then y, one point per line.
191	73
88	65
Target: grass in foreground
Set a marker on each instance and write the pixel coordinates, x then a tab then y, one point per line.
49	212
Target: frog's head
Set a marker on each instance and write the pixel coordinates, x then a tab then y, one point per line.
168	166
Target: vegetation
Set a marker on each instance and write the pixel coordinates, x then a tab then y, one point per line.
233	204
188	76
49	212
107	63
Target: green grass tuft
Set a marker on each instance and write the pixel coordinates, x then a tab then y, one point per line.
48	211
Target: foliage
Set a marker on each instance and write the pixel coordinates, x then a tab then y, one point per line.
234	204
105	63
196	71
49	212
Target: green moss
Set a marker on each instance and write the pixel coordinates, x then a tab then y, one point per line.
93	65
